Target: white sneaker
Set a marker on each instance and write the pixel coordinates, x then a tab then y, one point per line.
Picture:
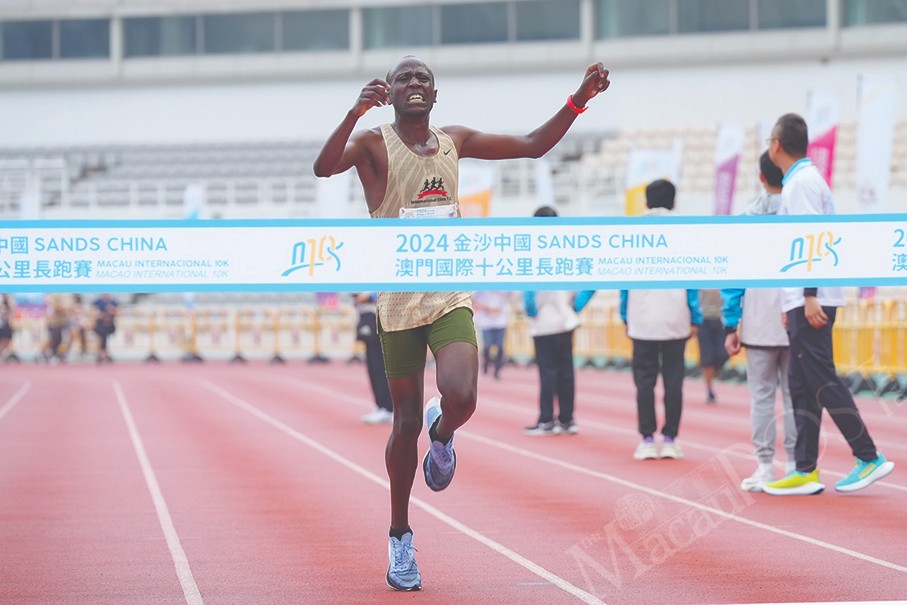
378	416
645	451
670	449
763	474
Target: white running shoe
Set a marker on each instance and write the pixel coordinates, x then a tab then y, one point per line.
671	449
763	474
378	416
646	450
402	571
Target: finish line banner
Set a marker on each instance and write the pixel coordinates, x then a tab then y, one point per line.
443	254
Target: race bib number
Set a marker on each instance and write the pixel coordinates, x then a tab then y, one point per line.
444	211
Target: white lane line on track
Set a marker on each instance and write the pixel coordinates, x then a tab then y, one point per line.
16	398
180	561
691	503
718	414
536	569
685	442
653	492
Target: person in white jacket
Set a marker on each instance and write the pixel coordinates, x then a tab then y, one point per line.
553	317
659	322
810	317
752	319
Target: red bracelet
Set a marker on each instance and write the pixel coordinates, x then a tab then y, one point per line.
574	108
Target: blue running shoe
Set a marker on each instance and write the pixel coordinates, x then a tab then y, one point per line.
865	474
402	572
440	461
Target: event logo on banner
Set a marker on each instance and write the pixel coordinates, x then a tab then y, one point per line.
728	149
875	141
314	253
645	166
822	117
813	249
432	254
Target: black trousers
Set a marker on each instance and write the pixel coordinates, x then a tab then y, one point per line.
649	358
815	385
374	361
554	357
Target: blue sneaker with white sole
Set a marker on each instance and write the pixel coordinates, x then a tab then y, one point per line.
440	461
865	474
402	572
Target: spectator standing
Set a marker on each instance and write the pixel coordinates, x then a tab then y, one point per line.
58	318
659	322
553	317
810	316
752	319
106	310
367	333
7	311
77	326
491	310
710	337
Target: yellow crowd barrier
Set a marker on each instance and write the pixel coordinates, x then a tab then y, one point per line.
870	336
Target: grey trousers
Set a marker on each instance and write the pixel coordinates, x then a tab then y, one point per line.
766	370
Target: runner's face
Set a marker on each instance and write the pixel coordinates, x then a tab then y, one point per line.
412	88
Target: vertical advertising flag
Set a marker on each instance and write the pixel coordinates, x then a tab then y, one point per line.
645	166
728	149
822	117
875	142
194	200
475	188
30	198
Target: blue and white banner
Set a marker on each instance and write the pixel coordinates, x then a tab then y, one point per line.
442	254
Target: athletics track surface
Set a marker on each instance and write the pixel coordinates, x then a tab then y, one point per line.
244	484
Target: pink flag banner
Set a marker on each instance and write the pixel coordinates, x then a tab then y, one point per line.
822	117
728	149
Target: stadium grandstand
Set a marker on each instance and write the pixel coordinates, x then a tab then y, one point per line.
113	108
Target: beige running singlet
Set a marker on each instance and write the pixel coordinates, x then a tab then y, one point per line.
415	183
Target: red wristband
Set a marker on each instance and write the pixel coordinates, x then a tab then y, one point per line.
574	108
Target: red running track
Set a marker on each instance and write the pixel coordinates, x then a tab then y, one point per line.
243	484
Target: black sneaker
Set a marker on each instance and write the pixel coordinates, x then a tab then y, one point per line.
543	428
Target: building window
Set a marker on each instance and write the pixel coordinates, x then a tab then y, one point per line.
695	16
624	18
160	36
478	23
243	33
26	40
85	39
872	12
398	27
780	14
316	30
547	20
